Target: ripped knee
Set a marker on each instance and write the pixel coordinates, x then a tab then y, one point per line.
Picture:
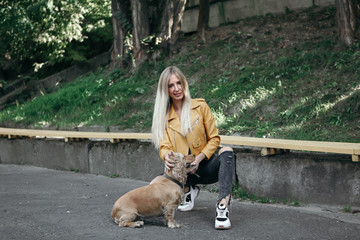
225	149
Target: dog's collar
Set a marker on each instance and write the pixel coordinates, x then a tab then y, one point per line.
174	180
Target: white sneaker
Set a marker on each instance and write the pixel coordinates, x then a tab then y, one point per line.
222	217
189	198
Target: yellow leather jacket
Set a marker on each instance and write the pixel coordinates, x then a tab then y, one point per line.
203	137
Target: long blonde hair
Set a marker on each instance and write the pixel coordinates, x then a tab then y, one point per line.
163	105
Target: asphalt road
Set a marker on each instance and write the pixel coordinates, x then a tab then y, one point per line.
38	203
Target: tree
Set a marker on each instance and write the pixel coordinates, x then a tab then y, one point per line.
154	27
38	33
141	30
204	9
171	25
120	28
348	20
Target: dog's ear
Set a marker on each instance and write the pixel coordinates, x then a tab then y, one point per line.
177	157
189	158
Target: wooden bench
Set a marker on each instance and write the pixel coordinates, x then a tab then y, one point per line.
71	135
268	146
272	146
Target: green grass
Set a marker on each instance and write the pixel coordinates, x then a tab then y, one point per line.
261	83
347	209
240	194
98	98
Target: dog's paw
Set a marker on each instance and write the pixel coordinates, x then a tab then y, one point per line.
131	224
139	224
173	224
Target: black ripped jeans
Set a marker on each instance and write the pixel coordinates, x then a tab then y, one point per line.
219	168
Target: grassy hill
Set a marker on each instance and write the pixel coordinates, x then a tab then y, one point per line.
280	76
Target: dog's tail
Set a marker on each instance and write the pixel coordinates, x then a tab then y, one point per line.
114	215
113	212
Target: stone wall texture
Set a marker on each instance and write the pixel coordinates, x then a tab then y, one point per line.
228	11
306	177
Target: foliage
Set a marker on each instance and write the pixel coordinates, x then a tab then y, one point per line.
39	32
98	98
269	82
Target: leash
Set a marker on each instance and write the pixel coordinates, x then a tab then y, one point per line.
174	180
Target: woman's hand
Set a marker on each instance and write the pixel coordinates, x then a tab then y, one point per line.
168	162
196	162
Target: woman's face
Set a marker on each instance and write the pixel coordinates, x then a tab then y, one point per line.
175	88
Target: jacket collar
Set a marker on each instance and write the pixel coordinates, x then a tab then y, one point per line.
172	113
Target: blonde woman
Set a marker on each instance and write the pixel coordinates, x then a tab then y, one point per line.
182	124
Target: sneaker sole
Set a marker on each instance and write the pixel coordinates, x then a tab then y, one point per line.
222	228
188	210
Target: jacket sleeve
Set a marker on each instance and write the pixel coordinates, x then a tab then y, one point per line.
212	133
165	146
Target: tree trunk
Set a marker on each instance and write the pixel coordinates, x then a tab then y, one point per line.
171	25
141	30
117	49
348	20
203	19
169	29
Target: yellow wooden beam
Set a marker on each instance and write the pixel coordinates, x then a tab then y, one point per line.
272	151
317	146
74	134
115	140
265	143
267	151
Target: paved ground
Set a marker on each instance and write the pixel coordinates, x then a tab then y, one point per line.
37	203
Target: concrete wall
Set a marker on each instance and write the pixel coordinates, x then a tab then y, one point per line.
134	160
228	11
306	177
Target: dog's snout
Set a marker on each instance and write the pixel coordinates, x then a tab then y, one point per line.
189	165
